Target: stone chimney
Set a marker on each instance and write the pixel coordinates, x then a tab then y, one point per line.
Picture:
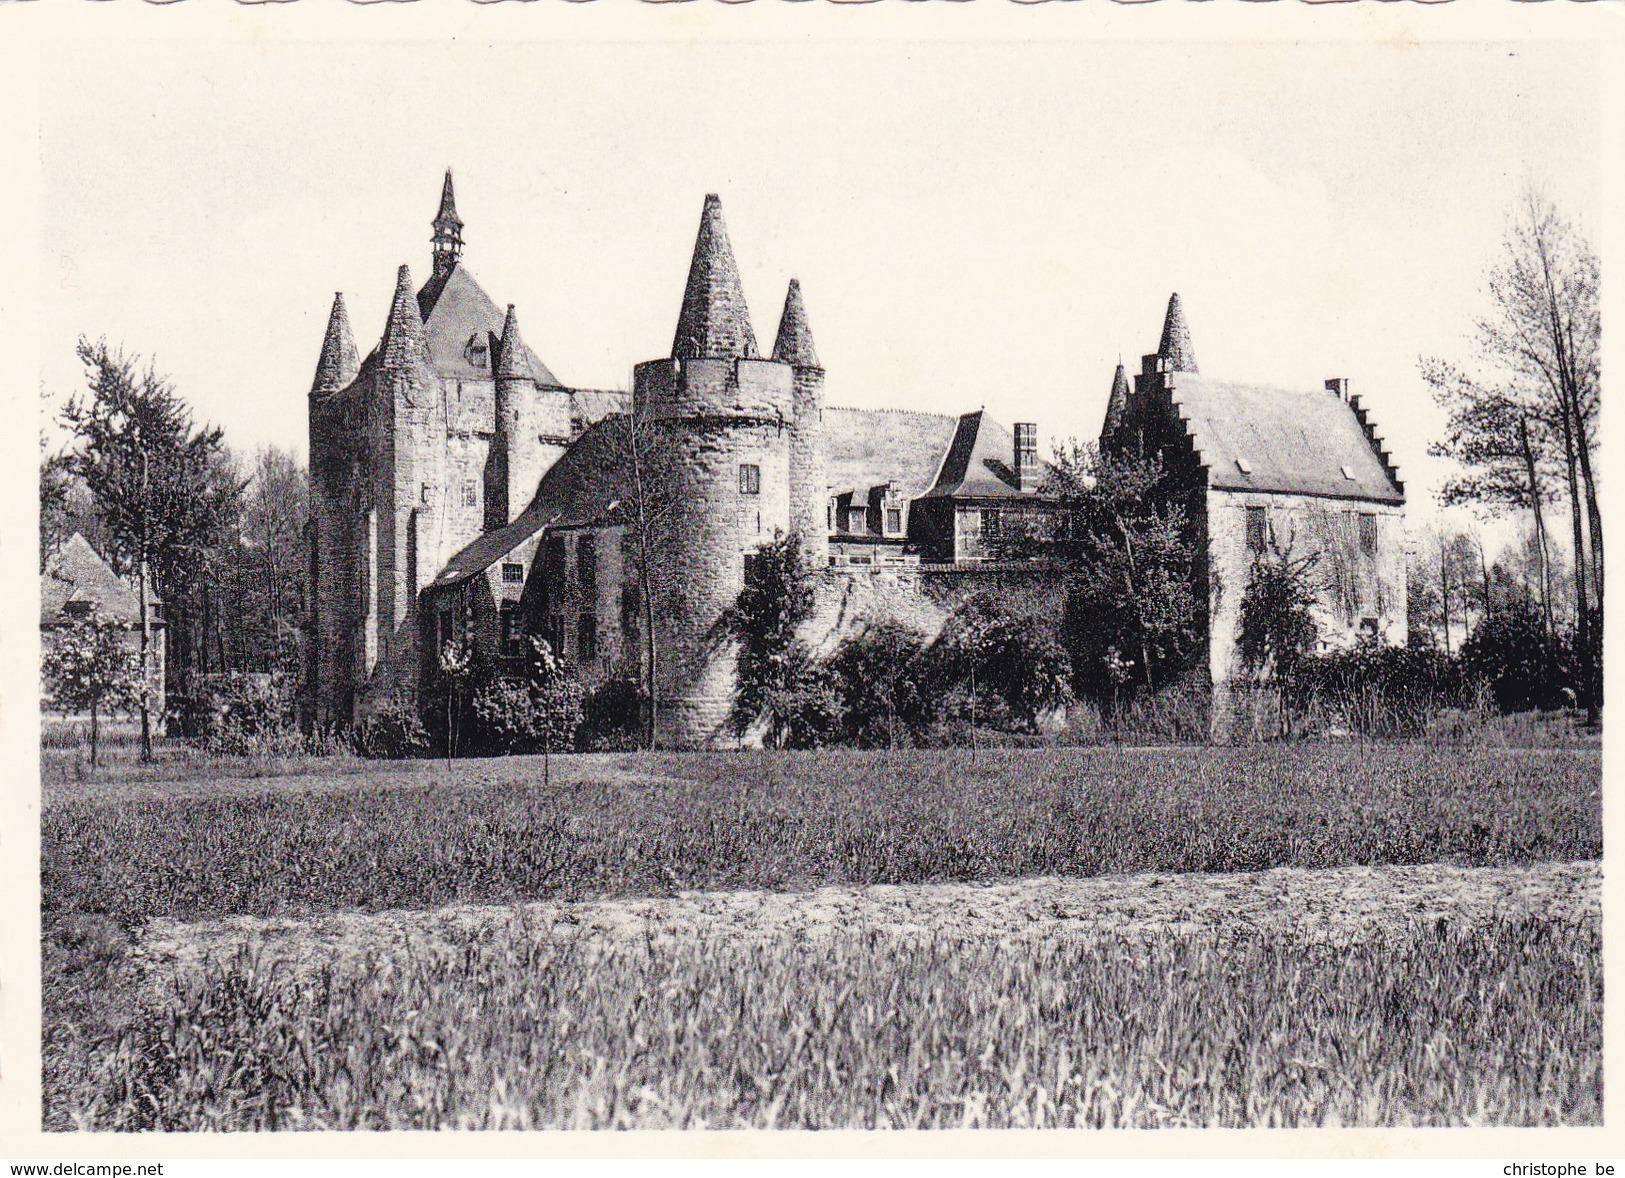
1339	386
1026	456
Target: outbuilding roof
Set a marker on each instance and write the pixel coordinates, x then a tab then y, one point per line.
78	576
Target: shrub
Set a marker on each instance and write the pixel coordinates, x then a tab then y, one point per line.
249	715
536	712
1377	690
392	733
881	675
1523	666
612	716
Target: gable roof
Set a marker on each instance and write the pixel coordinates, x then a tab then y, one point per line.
1291	442
978	462
577	489
77	574
456	310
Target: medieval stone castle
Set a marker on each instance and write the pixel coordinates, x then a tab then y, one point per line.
461	491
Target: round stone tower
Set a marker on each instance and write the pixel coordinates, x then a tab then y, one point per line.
809	486
723	416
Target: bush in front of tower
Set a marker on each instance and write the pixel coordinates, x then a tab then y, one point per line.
536	711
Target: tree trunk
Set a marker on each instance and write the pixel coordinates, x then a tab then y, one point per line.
1540	524
95	733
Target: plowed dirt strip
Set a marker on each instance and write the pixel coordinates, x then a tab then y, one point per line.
1332	905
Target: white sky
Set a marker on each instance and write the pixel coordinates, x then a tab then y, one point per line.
972	224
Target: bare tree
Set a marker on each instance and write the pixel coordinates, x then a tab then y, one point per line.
1525	410
638	446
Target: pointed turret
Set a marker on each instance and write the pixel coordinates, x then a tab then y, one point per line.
1175	350
794	345
714	322
1117	403
339	361
404	342
511	363
448	232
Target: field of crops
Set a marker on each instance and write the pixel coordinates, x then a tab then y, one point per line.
1422	1026
798	820
1413	1021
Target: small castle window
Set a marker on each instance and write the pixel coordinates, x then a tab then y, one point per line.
750	479
630	605
587	638
510	630
513	573
426	491
1258	529
894	521
857	519
587	566
77	609
1368	534
991	518
471	494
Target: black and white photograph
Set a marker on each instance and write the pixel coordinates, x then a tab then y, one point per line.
815	584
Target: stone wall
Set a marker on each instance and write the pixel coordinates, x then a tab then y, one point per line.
1354	585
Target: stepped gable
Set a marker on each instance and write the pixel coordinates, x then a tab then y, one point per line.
1175	348
866	448
403	344
1295	443
794	343
714	322
977	465
1117	402
339	362
76	573
459	314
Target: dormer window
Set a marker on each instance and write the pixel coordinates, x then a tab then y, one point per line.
477	352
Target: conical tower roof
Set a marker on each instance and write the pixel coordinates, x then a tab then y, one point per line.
404	343
1175	348
714	322
794	345
339	360
448	204
1117	403
511	363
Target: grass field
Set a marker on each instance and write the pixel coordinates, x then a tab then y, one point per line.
1418	1019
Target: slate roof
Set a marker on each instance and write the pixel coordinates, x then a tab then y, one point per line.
1293	442
714	321
77	574
978	462
863	448
457	310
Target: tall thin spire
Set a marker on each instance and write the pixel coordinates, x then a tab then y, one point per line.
714	322
339	360
404	342
794	345
511	354
1175	349
448	231
1117	403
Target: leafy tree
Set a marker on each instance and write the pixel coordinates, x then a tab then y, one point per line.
985	649
150	474
89	667
1277	629
1524	666
779	682
1132	616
